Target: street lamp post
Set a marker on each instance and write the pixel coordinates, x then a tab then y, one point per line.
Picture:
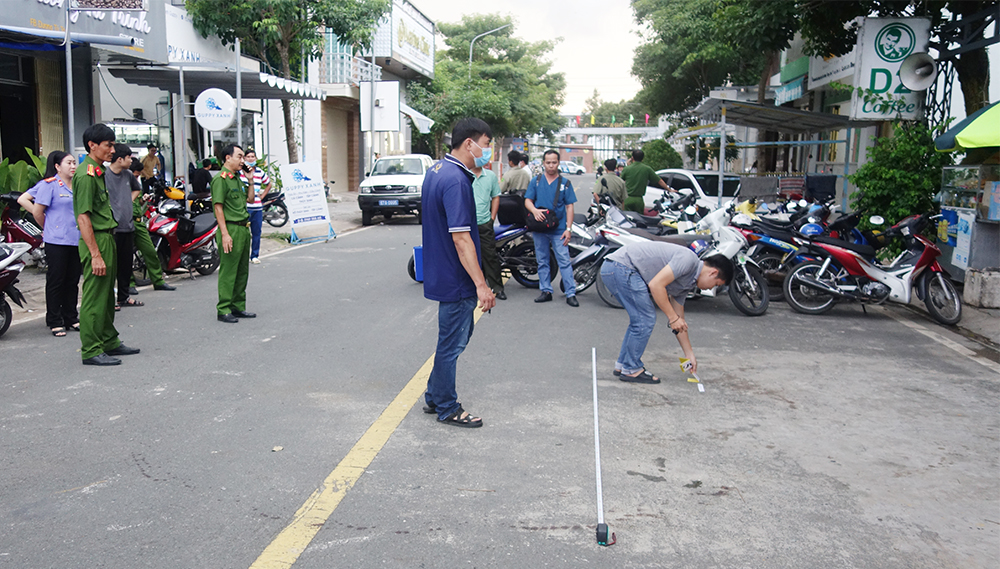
473	42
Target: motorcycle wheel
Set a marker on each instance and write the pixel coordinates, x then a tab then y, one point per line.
139	270
770	267
5	316
750	298
215	261
584	275
942	301
524	267
277	215
604	293
802	298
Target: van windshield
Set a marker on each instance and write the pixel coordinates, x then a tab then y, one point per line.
710	184
389	166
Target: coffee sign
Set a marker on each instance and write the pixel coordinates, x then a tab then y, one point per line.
883	44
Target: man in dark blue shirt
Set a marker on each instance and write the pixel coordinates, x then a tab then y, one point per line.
550	191
452	273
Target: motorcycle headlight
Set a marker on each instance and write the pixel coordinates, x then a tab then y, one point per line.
166	228
364	190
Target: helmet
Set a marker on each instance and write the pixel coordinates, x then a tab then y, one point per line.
811	229
173	193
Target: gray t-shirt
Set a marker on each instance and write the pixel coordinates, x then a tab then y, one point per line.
120	187
649	257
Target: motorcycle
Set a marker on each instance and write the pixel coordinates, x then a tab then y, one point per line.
182	240
848	271
15	227
275	211
10	267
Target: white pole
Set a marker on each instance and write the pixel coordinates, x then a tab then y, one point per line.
473	42
722	152
71	119
239	97
179	159
371	110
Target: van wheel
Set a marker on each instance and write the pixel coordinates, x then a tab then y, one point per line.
387	216
420	218
366	217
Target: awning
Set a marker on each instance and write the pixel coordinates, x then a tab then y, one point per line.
423	123
779	119
254	85
979	130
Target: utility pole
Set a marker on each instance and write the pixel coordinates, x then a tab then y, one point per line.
473	42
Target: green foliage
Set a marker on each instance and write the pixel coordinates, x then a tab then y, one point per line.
660	155
22	175
512	87
902	175
709	150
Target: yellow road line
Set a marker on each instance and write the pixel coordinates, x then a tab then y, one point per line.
286	548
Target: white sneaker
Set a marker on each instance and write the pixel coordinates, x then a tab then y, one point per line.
255	261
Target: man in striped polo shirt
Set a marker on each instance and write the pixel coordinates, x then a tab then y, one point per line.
261	186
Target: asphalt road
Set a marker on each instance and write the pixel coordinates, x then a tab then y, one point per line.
847	440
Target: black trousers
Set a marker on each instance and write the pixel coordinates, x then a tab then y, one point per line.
124	246
62	285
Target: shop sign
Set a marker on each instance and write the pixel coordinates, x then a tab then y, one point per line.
215	109
883	44
186	45
789	92
413	40
108	4
823	70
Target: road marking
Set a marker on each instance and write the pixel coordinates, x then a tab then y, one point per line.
962	350
286	548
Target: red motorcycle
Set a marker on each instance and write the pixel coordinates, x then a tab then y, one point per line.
849	271
182	240
17	228
10	267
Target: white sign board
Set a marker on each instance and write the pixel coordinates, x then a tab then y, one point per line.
960	258
883	44
386	106
185	44
214	109
413	40
823	70
304	197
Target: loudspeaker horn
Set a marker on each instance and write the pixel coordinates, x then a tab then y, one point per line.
918	71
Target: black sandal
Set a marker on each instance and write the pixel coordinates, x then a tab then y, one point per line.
75	327
644	377
59	332
430	409
468	422
132	302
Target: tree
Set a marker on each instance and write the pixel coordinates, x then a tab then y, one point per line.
517	70
708	150
279	32
660	155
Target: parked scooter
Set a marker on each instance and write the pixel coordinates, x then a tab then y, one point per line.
182	240
16	227
11	265
275	211
849	271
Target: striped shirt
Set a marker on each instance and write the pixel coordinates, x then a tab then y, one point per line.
260	181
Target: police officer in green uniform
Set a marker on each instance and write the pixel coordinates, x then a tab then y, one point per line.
143	242
229	200
92	207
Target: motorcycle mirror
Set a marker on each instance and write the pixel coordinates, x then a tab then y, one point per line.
812	220
690	210
803	203
876	220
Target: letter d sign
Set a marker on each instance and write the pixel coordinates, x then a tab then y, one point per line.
873	85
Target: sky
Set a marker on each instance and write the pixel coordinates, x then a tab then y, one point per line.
599	40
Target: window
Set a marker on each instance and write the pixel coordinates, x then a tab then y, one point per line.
710	184
392	166
681	182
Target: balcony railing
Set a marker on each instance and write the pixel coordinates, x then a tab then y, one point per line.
347	68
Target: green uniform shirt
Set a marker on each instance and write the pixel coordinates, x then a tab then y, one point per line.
515	179
637	176
484	188
615	188
90	195
228	190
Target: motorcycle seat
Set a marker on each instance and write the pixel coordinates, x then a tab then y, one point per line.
203	196
203	223
866	251
682	239
643	220
779	234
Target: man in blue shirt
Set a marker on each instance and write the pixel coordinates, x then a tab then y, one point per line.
550	191
452	274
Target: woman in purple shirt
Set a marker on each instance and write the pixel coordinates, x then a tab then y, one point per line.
51	202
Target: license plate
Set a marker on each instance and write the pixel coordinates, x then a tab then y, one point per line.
388	202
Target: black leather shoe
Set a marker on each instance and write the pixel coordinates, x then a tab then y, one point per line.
544	297
164	286
101	360
501	295
228	318
244	314
132	291
143	282
572	301
123	350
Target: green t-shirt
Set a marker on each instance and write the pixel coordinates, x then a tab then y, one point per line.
637	176
615	188
484	189
90	195
228	190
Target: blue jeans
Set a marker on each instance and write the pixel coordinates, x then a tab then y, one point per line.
629	288
256	221
542	243
454	330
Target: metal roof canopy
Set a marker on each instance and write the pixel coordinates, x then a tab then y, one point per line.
254	85
779	119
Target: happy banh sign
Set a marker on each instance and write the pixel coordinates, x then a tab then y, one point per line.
304	195
883	44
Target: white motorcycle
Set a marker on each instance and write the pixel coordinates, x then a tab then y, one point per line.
10	267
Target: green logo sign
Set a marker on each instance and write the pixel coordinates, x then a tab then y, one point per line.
894	42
